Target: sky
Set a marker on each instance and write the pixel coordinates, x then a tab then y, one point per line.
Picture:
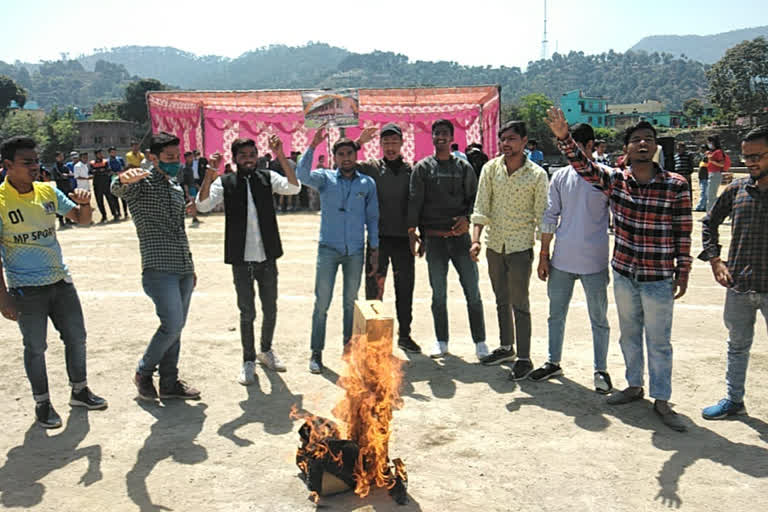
480	32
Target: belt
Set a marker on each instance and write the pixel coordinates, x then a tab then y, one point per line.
442	233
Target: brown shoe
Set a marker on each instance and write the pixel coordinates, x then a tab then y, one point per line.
179	389
145	387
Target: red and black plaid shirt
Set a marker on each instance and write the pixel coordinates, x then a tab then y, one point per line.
748	253
652	221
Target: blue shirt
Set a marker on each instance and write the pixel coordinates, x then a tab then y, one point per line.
347	206
536	156
581	238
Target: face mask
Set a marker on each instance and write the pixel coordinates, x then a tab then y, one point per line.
171	169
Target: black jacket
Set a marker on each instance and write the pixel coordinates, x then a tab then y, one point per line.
392	180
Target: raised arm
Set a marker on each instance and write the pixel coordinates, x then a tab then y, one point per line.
276	146
587	169
304	172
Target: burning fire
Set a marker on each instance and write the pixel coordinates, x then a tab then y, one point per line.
371	382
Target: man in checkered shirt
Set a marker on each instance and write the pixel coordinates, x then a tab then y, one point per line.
745	274
651	258
157	204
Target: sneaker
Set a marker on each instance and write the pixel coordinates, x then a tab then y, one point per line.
498	356
271	361
408	345
179	389
629	394
86	398
521	369
722	409
247	376
439	350
603	384
316	362
145	387
46	415
669	417
481	351
547	371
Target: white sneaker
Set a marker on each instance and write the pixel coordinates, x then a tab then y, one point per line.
271	361
439	350
247	374
481	350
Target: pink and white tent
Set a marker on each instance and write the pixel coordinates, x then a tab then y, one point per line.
211	120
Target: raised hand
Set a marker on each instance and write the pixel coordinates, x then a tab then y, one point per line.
133	176
320	134
215	160
276	145
557	122
80	196
367	135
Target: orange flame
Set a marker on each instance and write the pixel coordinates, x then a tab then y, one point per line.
372	392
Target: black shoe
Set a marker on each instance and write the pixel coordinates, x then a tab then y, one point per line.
179	389
498	356
603	384
85	398
547	371
46	415
625	396
316	362
521	369
408	345
145	387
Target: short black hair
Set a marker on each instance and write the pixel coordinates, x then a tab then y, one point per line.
134	141
58	153
516	126
83	153
715	140
112	148
240	143
533	142
162	140
454	147
642	125
757	133
187	153
442	122
599	141
11	146
97	151
344	142
582	133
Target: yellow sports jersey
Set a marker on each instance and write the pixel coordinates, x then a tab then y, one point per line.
28	245
133	159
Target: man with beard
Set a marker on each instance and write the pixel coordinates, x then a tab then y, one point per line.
651	260
442	191
251	241
349	206
157	204
392	175
745	274
511	199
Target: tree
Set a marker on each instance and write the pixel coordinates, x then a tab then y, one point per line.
738	83
10	91
134	108
60	131
109	111
533	110
692	110
22	122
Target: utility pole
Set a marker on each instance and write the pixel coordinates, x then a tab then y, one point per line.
544	42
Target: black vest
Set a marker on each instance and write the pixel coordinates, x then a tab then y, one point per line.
236	214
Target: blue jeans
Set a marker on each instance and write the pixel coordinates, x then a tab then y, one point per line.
560	291
440	251
715	179
35	304
704	184
646	306
740	314
328	261
171	294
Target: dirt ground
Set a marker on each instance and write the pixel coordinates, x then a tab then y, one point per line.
471	439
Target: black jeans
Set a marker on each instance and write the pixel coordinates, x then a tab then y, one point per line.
398	251
101	183
265	274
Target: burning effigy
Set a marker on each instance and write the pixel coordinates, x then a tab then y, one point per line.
353	454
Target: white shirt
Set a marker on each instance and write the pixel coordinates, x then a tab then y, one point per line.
82	173
195	171
254	245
